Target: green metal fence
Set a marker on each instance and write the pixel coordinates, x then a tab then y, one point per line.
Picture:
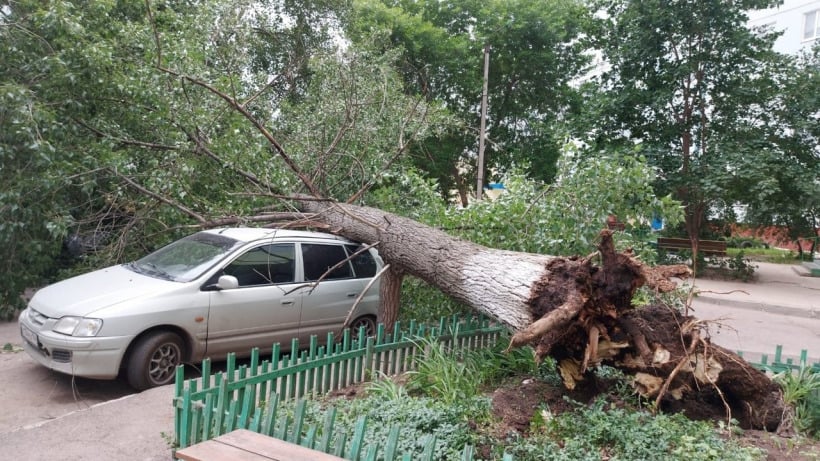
779	364
247	396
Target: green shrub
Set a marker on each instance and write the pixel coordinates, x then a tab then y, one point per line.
420	300
801	391
602	432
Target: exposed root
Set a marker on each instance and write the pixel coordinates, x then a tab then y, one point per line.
591	351
553	320
684	362
585	317
658	277
717	388
638	338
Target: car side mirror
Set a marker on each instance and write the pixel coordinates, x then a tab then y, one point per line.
227	282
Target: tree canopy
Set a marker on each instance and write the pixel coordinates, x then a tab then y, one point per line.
700	91
124	124
535	53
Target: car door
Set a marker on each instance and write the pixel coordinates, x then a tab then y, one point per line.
326	305
264	309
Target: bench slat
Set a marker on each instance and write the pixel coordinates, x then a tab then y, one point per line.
245	445
716	247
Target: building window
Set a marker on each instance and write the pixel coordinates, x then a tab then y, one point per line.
811	25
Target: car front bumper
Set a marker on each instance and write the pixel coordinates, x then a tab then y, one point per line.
88	357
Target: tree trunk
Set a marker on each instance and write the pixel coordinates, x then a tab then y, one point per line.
577	312
497	283
390	295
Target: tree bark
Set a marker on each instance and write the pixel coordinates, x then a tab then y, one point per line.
390	295
573	310
495	282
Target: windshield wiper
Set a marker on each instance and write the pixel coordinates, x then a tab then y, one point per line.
148	268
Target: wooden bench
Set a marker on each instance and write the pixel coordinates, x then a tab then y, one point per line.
245	445
709	247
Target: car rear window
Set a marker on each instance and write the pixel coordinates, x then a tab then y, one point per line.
364	265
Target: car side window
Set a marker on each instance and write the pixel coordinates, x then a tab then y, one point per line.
265	265
364	265
318	258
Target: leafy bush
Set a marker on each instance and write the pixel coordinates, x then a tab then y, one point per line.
737	267
603	432
420	300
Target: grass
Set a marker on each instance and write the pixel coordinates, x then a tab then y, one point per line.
9	347
767	255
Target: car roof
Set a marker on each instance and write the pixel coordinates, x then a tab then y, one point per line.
252	234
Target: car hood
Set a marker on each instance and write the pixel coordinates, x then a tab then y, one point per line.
88	293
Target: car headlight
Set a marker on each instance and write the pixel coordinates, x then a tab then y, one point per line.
78	326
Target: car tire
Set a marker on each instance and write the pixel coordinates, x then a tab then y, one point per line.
154	360
366	321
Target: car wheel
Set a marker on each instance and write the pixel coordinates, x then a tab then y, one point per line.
154	360
366	321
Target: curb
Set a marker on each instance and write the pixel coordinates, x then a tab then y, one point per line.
791	311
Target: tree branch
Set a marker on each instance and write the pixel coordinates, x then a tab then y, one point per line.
256	123
201	220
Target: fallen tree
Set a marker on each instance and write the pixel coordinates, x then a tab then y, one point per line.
576	310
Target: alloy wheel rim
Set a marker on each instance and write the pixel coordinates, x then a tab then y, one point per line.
163	363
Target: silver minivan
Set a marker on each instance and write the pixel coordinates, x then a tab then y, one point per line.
206	295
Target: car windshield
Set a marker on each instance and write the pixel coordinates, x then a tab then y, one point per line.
186	259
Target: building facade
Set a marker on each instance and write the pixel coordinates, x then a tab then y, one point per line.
799	20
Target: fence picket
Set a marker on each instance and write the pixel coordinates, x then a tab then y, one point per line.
327	431
298	422
183	435
356	443
247	398
220	406
341	441
391	446
281	432
257	416
270	415
429	447
208	415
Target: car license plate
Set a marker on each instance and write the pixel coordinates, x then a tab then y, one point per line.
28	335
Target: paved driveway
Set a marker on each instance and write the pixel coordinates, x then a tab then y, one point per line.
47	415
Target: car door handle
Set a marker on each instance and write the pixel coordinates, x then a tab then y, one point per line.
352	295
286	302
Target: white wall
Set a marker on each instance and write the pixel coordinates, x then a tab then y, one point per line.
790	18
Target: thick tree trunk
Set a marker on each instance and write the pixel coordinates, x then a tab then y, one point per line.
390	294
575	311
497	283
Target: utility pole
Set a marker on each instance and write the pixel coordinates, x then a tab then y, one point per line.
482	129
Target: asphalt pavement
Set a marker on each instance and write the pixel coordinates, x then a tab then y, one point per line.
779	307
50	416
